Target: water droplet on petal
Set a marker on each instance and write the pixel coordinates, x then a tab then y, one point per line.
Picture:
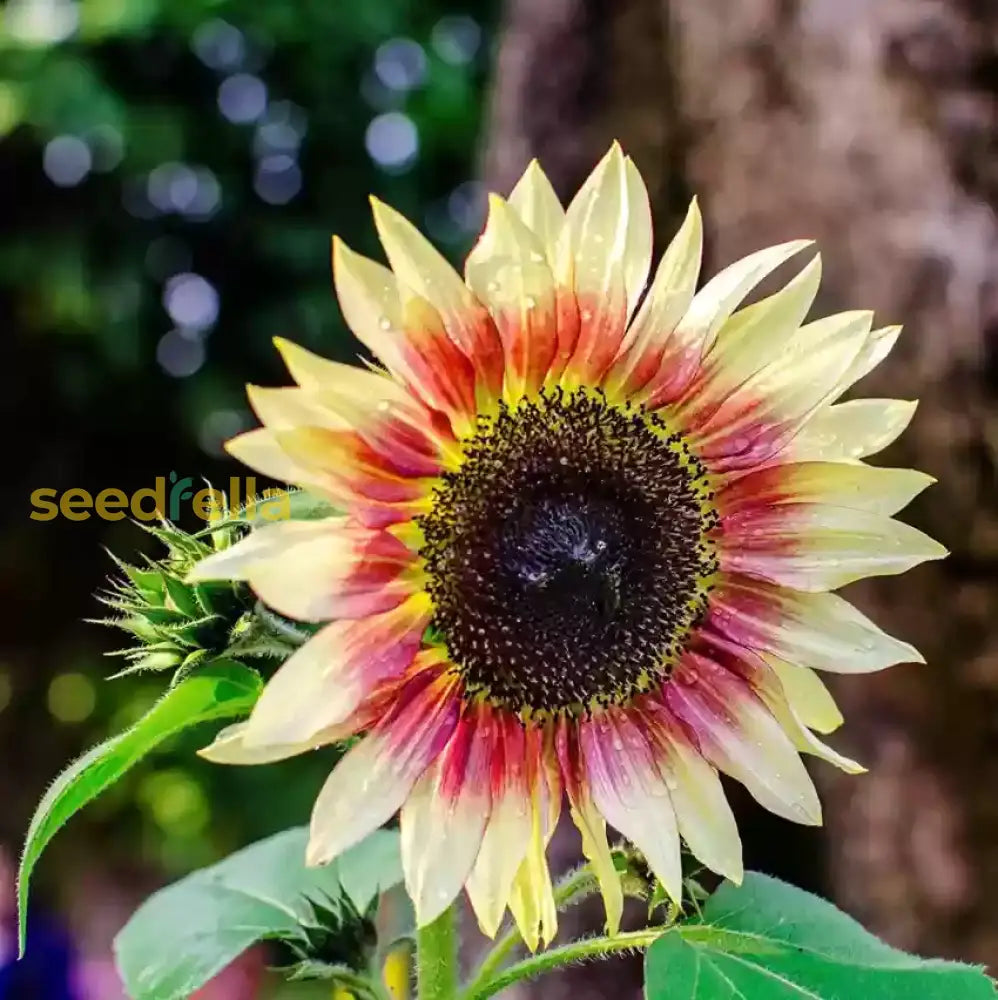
385	323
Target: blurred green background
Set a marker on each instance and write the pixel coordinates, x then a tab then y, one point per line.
172	173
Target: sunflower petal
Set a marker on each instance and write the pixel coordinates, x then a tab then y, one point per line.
753	337
816	630
260	451
443	821
706	821
767	410
596	231
632	794
879	344
739	735
596	850
317	570
816	547
292	407
507	836
710	308
647	345
850	431
807	695
324	681
311	371
405	333
421	267
229	746
858	487
531	898
375	777
345	458
535	202
507	270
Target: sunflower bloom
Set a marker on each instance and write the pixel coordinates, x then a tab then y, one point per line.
589	536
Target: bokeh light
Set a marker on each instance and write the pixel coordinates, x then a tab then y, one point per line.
392	141
179	355
456	38
242	98
278	179
66	160
191	301
400	64
71	697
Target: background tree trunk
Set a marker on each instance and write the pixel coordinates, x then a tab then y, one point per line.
870	127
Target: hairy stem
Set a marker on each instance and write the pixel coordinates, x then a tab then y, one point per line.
436	958
572	888
547	961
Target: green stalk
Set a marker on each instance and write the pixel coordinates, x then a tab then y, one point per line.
547	961
436	958
572	888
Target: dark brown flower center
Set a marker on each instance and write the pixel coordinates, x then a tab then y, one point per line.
568	555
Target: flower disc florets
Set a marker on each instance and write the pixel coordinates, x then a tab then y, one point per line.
569	553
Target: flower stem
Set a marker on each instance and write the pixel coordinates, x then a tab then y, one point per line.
546	961
436	958
572	888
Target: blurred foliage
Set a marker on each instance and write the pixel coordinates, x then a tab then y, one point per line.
172	173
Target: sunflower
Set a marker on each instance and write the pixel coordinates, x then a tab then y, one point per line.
589	537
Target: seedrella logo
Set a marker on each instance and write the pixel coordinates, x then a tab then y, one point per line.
169	497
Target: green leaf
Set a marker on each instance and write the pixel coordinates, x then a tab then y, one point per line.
224	689
184	934
767	940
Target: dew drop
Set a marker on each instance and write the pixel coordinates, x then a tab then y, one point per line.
385	323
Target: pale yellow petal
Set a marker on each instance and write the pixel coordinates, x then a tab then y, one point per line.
419	265
858	487
816	547
324	681
229	746
311	371
504	846
821	631
802	738
879	344
850	431
508	271
596	227
706	821
531	898
440	839
638	241
374	778
739	735
759	333
666	303
632	794
422	268
596	850
260	450
262	545
719	298
292	407
404	332
535	202
784	392
807	695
